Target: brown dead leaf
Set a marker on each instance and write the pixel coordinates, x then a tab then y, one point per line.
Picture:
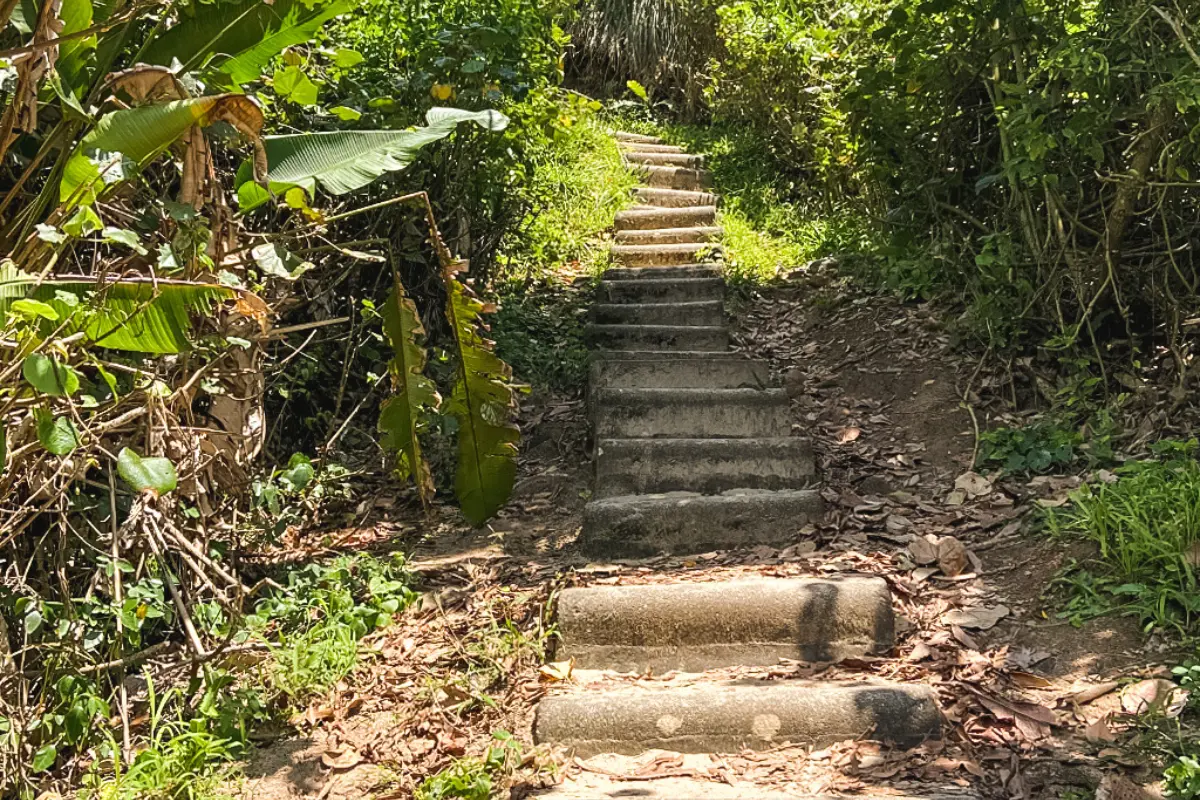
1155	694
557	671
952	556
977	617
1027	680
1032	720
847	435
1099	731
341	759
973	484
924	549
1087	694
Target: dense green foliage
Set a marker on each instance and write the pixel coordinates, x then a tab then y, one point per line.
1034	159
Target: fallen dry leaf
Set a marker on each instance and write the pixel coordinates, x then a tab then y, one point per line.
1155	694
924	549
847	435
1027	680
974	484
977	617
344	759
1099	731
557	670
952	556
1031	719
1087	694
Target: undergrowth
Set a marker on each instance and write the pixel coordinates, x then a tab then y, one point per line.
308	631
1145	520
471	778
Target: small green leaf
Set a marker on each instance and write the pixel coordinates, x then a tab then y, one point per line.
473	66
346	58
44	759
34	309
83	222
638	90
155	475
57	434
50	377
345	113
33	621
51	234
294	85
125	237
275	260
299	473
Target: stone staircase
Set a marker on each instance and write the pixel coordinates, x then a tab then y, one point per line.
695	452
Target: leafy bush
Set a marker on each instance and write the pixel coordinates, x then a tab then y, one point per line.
473	778
1040	447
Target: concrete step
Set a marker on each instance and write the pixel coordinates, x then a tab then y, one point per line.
674	198
694	627
692	370
649	147
640	219
588	785
654	290
665	176
626	136
689	413
662	273
660	337
707	466
698	233
664	158
639	526
703	312
728	717
661	255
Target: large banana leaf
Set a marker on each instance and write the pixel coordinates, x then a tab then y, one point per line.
137	315
483	403
77	16
139	134
342	161
413	393
250	32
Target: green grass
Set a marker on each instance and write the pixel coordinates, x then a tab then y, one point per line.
768	232
1147	527
579	183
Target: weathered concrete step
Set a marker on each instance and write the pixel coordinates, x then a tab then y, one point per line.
696	233
665	176
633	369
654	290
664	158
674	198
679	522
727	717
695	627
589	785
707	466
703	312
662	337
640	219
668	255
649	147
626	136
689	413
662	273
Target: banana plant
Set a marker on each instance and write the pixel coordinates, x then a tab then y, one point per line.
483	403
414	395
139	315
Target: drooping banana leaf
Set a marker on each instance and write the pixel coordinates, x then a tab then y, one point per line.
399	419
483	403
139	134
77	16
137	315
342	161
250	32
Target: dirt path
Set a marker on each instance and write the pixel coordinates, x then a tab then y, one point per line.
877	396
